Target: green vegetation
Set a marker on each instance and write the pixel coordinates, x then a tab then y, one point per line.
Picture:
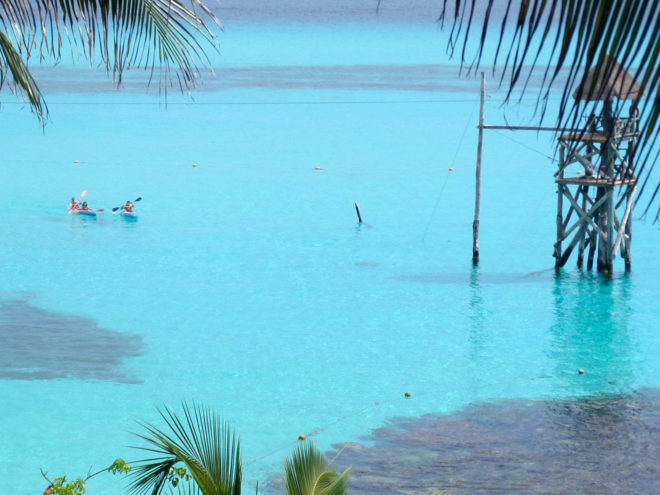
197	453
199	440
60	486
307	472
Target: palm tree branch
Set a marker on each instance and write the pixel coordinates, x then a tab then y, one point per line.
152	34
200	441
11	60
580	35
306	472
151	476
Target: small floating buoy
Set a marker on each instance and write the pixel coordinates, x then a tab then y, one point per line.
302	437
451	169
407	394
579	172
581	371
317	168
194	164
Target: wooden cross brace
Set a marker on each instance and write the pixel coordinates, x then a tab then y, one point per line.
584	216
621	227
574	154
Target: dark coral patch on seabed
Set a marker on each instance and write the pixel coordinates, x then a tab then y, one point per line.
598	445
41	345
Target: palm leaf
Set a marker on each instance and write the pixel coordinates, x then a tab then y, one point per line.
580	35
164	36
10	60
186	488
200	441
307	472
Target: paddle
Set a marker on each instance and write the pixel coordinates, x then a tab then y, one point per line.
136	200
82	195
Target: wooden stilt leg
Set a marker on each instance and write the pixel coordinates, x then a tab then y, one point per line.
628	243
585	191
592	249
601	221
560	227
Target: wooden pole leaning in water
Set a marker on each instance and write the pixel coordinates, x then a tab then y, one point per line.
357	210
477	198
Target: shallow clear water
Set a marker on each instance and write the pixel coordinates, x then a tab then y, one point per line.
248	284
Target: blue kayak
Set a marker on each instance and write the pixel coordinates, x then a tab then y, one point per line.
129	215
87	213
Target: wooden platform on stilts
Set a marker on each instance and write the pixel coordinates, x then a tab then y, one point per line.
594	207
590	214
595	181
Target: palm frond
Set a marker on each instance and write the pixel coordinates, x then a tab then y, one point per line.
188	487
201	442
307	472
10	60
168	37
579	35
151	475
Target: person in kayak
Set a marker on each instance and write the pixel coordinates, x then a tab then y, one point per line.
74	205
84	206
128	207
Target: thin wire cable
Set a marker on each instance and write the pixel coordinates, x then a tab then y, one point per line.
210	103
297	102
423	359
551	158
442	188
419	362
377	404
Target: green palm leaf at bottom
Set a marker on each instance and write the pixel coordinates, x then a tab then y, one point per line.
307	472
199	440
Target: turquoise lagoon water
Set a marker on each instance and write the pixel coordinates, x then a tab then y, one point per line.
247	284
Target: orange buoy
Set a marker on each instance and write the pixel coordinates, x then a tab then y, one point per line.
302	437
194	164
317	168
579	172
451	169
407	394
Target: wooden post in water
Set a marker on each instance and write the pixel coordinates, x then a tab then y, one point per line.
477	198
560	218
580	260
357	210
628	244
606	218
